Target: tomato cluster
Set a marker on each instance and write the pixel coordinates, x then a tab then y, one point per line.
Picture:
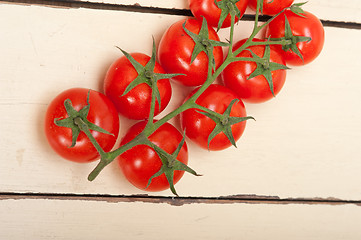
82	125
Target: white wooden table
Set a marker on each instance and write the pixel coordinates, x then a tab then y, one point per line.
296	173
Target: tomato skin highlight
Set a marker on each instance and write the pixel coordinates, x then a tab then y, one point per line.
198	127
209	10
308	26
141	162
255	90
136	103
175	51
271	7
102	113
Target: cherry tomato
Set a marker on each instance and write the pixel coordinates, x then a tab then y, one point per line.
141	162
175	51
101	113
255	90
198	127
209	10
308	26
271	7
136	103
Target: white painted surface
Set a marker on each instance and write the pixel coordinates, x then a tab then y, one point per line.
53	219
305	143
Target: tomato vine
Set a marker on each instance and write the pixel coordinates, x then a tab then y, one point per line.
224	121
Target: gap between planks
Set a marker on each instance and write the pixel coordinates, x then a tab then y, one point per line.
177	201
156	10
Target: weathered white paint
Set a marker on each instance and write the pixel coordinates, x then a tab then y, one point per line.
54	219
305	143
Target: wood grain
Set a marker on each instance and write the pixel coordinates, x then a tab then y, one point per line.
305	143
54	219
294	175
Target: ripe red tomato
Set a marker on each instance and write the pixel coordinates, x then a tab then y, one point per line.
175	51
209	10
271	7
142	162
257	89
101	113
198	127
136	103
308	26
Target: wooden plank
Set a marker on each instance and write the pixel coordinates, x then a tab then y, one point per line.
332	11
347	10
56	219
304	144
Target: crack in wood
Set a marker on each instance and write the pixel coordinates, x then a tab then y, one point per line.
157	10
178	201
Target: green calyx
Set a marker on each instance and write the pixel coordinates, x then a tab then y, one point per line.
146	74
77	120
292	40
223	122
228	7
170	164
265	67
296	8
203	43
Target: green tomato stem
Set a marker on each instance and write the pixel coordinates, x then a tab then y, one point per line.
231	33
83	127
142	138
256	30
107	158
190	103
152	108
255	26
